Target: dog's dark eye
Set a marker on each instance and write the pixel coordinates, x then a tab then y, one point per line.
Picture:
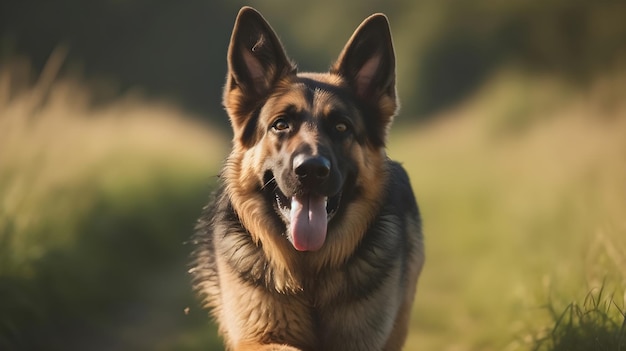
341	127
280	124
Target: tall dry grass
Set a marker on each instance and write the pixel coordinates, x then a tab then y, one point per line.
96	201
523	194
54	142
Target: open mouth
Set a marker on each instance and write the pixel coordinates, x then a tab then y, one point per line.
284	204
306	215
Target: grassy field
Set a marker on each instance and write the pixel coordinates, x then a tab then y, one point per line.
96	204
522	190
523	194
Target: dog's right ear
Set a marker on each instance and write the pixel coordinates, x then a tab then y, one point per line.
256	62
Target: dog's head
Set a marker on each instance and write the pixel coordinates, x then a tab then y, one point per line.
306	145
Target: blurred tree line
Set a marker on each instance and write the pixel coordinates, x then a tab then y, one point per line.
176	49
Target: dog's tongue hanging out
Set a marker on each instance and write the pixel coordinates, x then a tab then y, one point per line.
308	222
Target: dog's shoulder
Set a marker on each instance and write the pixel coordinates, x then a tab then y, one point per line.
399	189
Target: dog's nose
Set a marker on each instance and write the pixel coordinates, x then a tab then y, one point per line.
311	169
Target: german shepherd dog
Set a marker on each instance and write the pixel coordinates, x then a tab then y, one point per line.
313	239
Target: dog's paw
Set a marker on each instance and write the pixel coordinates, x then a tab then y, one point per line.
275	347
268	347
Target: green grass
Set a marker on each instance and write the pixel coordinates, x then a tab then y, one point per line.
521	190
596	324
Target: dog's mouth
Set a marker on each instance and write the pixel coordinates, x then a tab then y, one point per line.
306	215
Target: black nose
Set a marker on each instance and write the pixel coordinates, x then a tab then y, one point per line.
311	170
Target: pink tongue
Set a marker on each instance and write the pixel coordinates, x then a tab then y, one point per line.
308	222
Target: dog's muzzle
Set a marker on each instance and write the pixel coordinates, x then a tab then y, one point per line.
308	210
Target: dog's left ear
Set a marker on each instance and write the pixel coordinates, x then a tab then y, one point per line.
368	63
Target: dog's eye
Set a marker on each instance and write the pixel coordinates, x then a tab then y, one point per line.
280	124
341	127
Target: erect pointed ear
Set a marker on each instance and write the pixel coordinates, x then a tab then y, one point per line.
368	61
256	61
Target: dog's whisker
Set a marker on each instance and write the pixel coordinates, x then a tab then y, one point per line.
272	180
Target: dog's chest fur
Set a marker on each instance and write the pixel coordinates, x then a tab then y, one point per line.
315	307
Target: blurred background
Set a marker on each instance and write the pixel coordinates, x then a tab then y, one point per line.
513	129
